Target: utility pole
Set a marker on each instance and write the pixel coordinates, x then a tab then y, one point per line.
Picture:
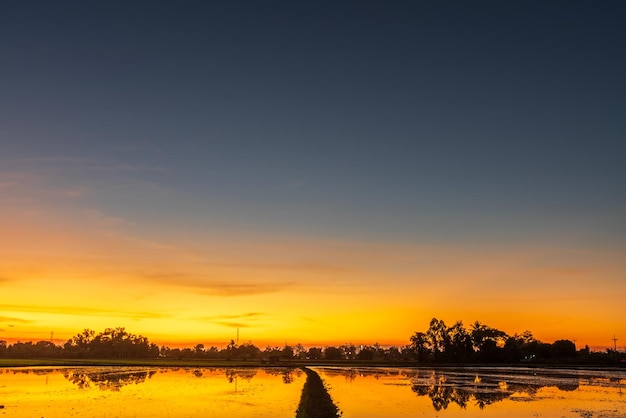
237	336
614	343
52	337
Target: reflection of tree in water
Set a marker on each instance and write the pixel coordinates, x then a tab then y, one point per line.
287	377
490	389
487	398
460	397
20	371
288	374
107	380
441	396
43	372
245	374
350	374
568	386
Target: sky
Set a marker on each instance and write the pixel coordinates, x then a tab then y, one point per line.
320	172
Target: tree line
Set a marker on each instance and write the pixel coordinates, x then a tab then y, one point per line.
440	343
484	344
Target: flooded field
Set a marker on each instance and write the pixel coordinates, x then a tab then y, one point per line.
275	392
464	392
149	392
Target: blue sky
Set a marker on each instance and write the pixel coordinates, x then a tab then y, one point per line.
473	124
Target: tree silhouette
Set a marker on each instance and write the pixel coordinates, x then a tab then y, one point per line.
111	343
486	341
333	353
439	343
419	342
460	347
438	337
563	348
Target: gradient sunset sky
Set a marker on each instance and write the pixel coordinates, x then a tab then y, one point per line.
312	172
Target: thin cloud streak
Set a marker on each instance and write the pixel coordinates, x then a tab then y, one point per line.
308	267
234	324
13	319
244	320
235	316
81	311
312	320
216	287
64	162
565	271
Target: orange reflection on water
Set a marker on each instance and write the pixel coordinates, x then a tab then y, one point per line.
399	393
150	392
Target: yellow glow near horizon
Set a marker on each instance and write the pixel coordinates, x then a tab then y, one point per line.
65	273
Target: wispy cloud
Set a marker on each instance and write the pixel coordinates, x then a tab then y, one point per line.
312	320
295	266
12	179
234	324
103	219
68	177
28	186
245	320
81	311
565	271
73	191
209	286
247	315
7	319
87	163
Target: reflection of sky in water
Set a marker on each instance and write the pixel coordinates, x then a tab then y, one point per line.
150	392
275	392
370	392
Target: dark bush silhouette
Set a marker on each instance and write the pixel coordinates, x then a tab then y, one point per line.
563	348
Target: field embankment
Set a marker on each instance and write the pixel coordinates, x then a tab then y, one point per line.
315	401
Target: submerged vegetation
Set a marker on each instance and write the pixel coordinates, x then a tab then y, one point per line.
438	344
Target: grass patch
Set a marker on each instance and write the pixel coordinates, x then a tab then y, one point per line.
315	401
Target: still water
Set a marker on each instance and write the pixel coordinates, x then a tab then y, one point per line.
275	392
149	392
465	392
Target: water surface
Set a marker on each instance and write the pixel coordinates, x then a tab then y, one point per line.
275	392
149	392
466	392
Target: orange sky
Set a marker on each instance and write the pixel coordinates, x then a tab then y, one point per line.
312	172
70	267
